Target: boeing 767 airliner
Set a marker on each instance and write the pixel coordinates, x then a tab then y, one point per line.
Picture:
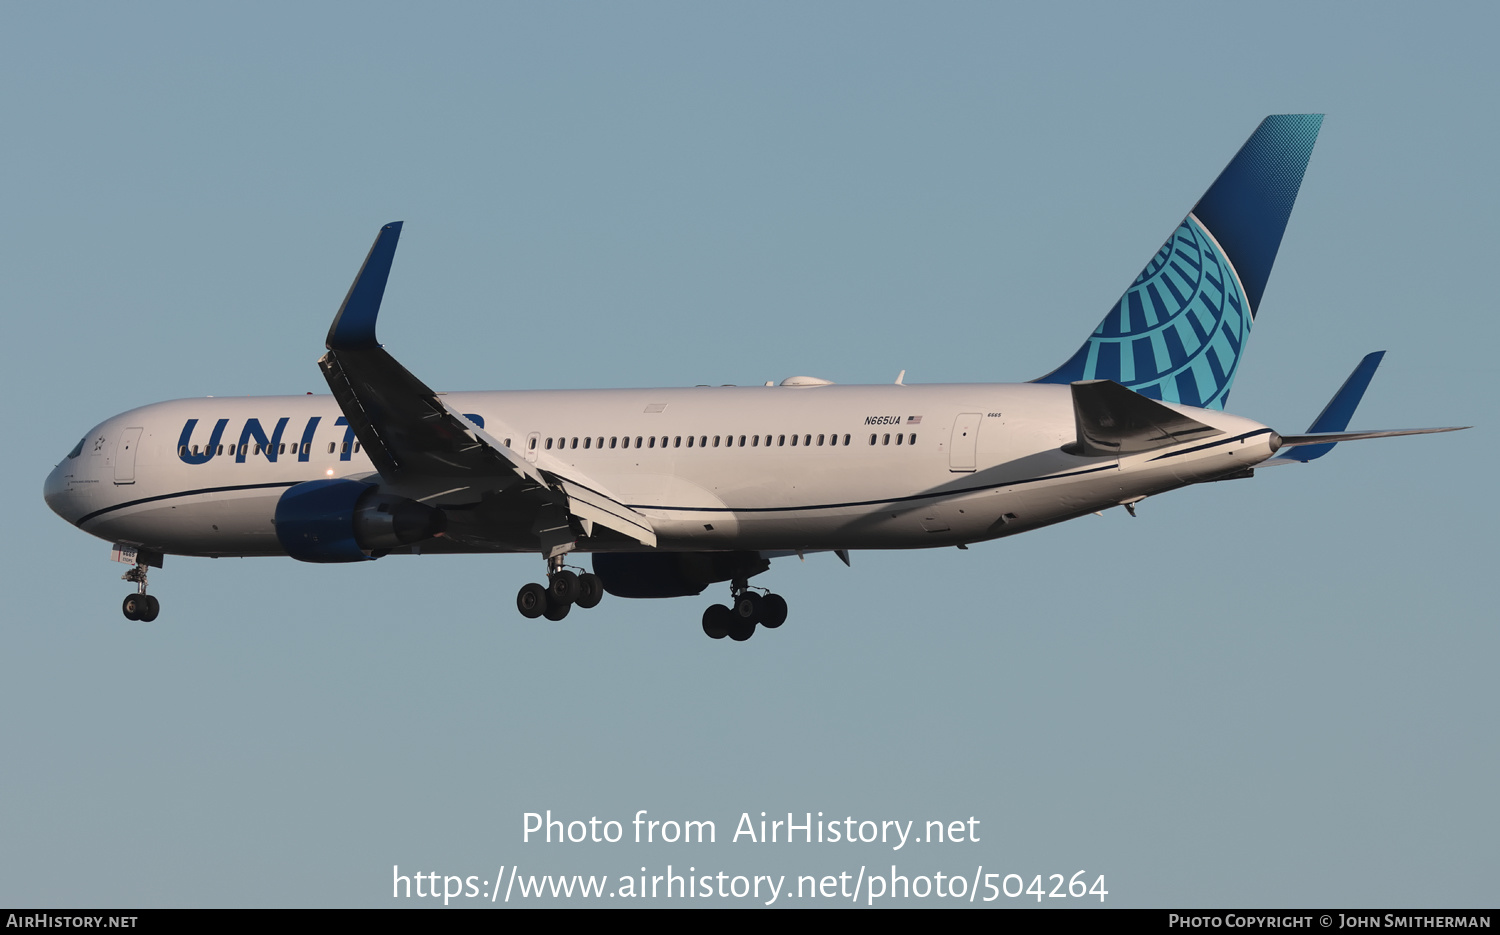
672	490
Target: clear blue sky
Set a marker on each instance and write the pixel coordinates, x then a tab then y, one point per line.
1278	692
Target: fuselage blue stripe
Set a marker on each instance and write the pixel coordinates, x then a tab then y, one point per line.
646	506
938	495
185	493
1215	444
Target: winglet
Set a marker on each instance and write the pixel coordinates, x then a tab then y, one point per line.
354	326
1340	409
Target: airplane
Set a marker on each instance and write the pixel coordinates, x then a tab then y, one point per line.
672	490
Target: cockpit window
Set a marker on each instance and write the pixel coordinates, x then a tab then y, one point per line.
78	448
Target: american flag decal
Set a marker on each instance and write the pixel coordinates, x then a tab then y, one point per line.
913	420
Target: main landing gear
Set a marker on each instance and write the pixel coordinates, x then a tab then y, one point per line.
140	605
563	589
748	608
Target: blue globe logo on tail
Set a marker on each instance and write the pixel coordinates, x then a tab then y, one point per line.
1179	330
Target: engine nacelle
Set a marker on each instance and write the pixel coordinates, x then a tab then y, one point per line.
672	574
349	521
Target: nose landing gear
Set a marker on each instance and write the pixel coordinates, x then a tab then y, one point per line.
140	605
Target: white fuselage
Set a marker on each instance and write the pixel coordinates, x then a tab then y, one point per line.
713	468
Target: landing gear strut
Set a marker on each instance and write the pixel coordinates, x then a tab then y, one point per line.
563	589
140	605
746	609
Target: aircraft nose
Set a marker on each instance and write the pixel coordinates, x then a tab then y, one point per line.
52	491
59	495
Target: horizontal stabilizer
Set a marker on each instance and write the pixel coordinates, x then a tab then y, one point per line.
1301	449
1328	428
1340	409
1322	438
1112	420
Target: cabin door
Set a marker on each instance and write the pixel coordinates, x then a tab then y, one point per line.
962	447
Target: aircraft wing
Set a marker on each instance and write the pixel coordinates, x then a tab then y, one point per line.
406	428
410	433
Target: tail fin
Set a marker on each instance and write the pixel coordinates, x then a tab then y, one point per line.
1179	330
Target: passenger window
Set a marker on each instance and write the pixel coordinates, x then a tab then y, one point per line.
887	439
601	442
677	442
913	439
794	441
575	442
549	444
690	441
846	441
653	442
899	436
507	443
872	439
820	441
780	440
716	441
531	443
638	441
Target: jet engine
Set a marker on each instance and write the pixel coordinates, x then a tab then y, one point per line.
349	521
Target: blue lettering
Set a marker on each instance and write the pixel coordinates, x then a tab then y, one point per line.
253	430
347	451
304	451
186	453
